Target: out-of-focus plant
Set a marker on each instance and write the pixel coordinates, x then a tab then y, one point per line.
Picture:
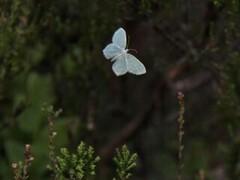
180	121
229	105
20	169
51	116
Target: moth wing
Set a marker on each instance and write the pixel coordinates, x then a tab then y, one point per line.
110	51
119	67
134	65
119	38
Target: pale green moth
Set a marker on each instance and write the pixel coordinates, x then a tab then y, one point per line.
123	61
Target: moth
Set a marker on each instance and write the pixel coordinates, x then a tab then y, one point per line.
123	62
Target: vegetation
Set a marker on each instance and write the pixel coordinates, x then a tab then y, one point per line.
51	53
125	162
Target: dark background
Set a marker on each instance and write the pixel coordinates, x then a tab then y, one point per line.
51	51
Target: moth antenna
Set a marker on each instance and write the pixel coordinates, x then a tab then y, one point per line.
132	50
128	41
128	45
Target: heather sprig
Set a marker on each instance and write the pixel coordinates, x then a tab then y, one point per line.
20	169
51	116
180	121
125	162
76	166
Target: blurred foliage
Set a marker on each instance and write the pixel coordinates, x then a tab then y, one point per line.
230	105
51	52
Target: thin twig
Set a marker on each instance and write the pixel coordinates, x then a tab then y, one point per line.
180	134
52	135
27	163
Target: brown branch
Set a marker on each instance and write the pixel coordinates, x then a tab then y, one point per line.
192	82
127	132
142	118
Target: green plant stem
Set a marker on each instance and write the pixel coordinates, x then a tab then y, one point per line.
52	158
27	162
